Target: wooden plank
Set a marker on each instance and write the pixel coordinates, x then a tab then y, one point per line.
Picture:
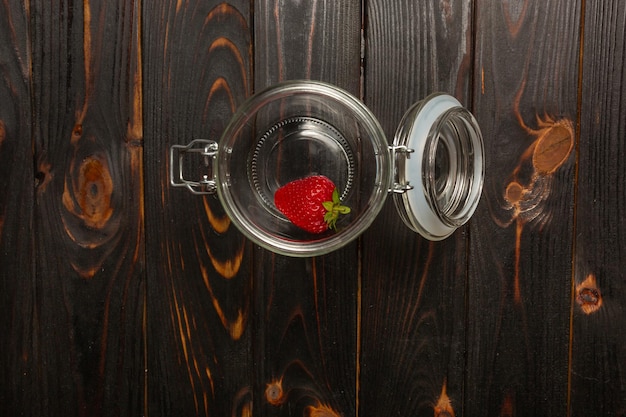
85	329
198	62
18	365
413	296
598	370
305	343
525	98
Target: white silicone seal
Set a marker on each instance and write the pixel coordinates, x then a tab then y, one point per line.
441	200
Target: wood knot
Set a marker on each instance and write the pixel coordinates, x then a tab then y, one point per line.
43	176
90	195
443	408
274	393
588	295
321	410
553	146
95	188
514	192
77	132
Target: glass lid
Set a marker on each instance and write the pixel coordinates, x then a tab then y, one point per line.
438	159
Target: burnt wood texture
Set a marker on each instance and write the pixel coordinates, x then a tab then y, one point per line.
598	366
520	257
73	290
123	296
19	384
199	292
305	320
413	290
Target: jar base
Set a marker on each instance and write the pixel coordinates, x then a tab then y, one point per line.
295	148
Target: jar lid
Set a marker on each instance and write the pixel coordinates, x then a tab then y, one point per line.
438	156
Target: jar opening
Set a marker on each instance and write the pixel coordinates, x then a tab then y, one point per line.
292	131
443	172
451	168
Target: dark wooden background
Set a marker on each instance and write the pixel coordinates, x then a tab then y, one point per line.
120	296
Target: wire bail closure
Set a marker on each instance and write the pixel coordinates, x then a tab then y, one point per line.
205	148
396	152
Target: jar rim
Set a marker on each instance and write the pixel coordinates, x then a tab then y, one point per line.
336	96
445	167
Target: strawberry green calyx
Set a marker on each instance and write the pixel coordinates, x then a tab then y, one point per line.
333	210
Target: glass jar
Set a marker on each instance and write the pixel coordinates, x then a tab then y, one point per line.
298	129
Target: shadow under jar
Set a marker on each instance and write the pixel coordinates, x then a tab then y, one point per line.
297	129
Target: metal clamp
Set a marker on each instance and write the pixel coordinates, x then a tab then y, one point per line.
205	148
398	186
401	188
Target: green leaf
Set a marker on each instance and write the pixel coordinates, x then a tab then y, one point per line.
334	209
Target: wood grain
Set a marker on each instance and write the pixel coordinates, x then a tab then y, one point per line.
413	296
520	253
305	344
88	224
18	366
598	368
197	61
122	296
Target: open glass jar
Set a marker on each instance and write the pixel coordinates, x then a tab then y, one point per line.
297	129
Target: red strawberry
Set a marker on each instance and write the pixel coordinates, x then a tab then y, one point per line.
311	203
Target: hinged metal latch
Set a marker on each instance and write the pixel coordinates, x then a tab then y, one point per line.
399	186
207	150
